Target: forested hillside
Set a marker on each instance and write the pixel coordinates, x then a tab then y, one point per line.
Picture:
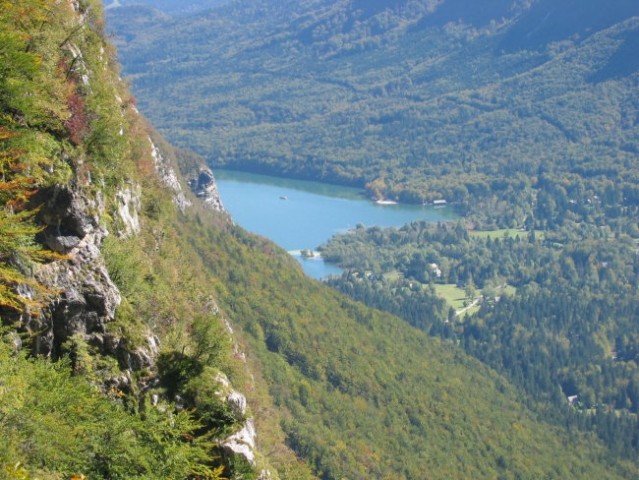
362	392
418	100
556	312
173	7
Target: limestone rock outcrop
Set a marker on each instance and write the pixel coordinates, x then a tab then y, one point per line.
168	176
205	188
129	203
85	297
243	441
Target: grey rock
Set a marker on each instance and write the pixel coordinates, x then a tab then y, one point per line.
62	244
242	442
237	402
80	67
67	213
141	357
205	188
224	382
87	297
122	382
168	176
128	204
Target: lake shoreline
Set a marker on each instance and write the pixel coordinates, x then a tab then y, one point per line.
301	215
360	188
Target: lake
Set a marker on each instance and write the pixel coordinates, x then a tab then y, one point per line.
301	215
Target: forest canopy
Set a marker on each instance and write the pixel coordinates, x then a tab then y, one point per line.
416	102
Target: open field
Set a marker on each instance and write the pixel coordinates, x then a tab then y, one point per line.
452	294
455	297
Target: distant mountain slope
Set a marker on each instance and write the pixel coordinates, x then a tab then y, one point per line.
551	21
419	100
176	7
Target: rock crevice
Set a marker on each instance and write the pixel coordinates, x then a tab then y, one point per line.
85	296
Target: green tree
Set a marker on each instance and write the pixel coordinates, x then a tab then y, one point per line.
470	291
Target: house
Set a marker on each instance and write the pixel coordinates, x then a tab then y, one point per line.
436	270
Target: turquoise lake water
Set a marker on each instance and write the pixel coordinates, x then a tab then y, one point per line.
301	215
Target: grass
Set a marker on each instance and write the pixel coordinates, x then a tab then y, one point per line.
455	297
450	292
392	276
509	290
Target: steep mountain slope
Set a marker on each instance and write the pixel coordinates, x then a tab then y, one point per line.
112	365
121	291
369	397
418	100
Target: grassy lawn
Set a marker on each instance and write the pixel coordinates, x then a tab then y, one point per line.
391	276
509	290
452	294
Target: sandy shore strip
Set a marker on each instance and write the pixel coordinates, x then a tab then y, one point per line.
312	253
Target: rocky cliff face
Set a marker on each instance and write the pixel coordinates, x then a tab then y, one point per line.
83	297
205	189
169	177
109	170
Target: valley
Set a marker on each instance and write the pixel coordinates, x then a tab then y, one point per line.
522	116
413	102
493	338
